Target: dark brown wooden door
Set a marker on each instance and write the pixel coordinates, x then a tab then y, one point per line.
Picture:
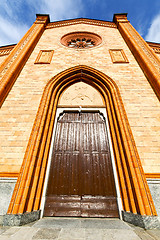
81	181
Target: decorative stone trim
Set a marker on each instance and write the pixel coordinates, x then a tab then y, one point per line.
80	21
120	18
155	47
44	57
81	40
156	50
118	56
6	50
13	64
144	55
144	47
23	43
146	222
42	19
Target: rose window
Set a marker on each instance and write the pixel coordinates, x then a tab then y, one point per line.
81	40
81	43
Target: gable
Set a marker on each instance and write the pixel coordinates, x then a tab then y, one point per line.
81	21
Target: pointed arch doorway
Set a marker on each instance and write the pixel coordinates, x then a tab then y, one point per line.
81	180
28	193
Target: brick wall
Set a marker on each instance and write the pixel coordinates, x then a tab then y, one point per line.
19	110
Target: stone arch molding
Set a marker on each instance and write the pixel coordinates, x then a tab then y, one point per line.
135	194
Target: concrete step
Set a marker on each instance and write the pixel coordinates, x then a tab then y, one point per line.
61	228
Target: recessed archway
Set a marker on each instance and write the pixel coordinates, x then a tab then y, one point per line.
136	197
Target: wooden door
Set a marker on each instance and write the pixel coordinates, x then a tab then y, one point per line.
81	181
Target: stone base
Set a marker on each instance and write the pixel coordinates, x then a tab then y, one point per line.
146	222
20	219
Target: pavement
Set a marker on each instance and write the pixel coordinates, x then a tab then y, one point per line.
61	228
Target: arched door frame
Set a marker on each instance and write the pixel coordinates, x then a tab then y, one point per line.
101	110
135	194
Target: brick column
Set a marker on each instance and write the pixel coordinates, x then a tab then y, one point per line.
13	64
144	55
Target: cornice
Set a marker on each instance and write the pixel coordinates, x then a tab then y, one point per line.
81	21
155	47
42	19
120	18
6	50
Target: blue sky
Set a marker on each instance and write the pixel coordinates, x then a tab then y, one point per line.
16	16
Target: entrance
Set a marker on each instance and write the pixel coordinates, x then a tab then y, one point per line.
81	181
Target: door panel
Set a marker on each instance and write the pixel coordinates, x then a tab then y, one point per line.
81	181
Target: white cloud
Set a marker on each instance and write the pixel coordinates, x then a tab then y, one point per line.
62	9
10	32
14	13
153	34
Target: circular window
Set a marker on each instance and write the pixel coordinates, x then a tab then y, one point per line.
81	40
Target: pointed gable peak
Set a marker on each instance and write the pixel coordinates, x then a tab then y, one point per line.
81	21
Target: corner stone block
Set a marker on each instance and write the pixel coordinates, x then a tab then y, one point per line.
20	219
146	222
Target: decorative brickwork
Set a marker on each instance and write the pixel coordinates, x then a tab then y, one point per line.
156	50
13	64
155	47
145	56
81	94
81	40
6	50
118	56
81	21
134	189
23	43
42	19
44	56
140	42
27	115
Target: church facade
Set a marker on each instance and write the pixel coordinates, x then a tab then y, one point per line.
80	123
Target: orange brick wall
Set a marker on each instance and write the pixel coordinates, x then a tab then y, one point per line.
19	110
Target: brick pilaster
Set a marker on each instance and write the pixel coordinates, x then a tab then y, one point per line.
13	64
144	55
